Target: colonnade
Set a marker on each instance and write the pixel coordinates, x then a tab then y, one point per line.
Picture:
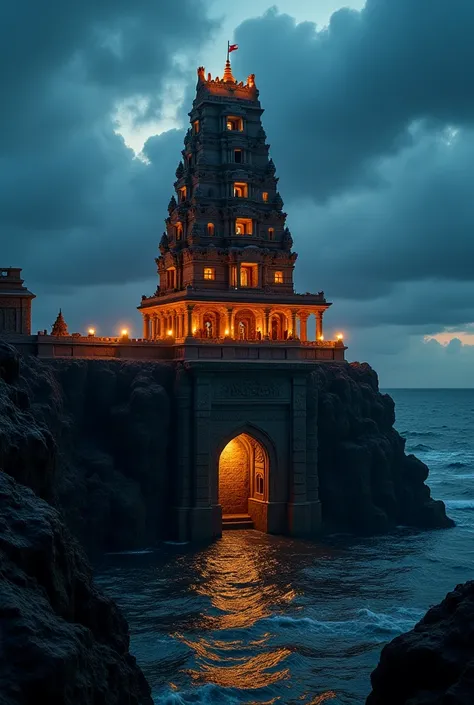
268	323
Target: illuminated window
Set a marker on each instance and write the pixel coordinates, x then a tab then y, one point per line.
209	273
238	156
259	483
179	231
196	127
233	275
234	123
271	233
241	189
171	278
243	226
210	229
249	275
278	278
265	196
182	194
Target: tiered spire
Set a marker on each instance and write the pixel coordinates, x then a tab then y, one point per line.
59	326
228	77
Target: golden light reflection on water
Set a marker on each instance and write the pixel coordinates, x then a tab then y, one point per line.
243	587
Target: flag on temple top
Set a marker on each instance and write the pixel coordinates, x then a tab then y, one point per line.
233	47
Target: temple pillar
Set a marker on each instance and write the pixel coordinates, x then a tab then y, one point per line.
189	322
238	275
153	326
230	311
319	325
266	323
304	326
294	330
146	326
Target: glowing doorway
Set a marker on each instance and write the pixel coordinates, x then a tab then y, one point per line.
243	474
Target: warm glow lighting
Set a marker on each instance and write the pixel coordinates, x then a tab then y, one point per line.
339	336
321	337
194	330
226	331
170	332
91	331
124	332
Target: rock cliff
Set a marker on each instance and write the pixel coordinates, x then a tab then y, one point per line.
433	664
61	641
367	483
107	467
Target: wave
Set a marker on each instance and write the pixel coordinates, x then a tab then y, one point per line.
457	465
366	623
459	503
209	693
420	448
139	552
419	434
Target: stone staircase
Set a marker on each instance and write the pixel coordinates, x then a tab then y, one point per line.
236	521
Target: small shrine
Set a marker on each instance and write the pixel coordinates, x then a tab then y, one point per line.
59	327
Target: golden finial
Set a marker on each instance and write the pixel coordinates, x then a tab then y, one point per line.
228	77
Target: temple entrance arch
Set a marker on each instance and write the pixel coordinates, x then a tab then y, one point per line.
243	475
245	325
278	326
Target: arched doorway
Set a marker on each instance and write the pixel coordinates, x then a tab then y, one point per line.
243	475
245	325
278	326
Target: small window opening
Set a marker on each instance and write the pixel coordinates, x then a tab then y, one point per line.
234	123
259	484
243	226
278	278
196	127
179	231
265	196
271	233
182	194
210	229
209	273
238	156
241	189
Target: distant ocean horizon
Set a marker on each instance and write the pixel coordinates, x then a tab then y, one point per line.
264	619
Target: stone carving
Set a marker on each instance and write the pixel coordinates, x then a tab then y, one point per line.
248	389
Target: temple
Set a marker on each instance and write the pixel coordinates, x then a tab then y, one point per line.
226	262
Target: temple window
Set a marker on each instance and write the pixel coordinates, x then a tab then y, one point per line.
259	483
233	275
179	231
210	229
182	194
249	275
209	273
241	189
271	233
238	156
278	278
265	196
171	278
196	127
243	226
234	123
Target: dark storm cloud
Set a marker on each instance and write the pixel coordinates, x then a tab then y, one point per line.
75	206
345	96
371	126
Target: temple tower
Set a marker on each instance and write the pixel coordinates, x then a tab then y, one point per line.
226	261
15	302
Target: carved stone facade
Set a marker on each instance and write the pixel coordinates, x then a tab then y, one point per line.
274	409
15	303
226	261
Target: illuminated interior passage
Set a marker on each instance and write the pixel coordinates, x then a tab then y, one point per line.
242	474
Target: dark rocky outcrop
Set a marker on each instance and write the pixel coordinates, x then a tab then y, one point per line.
61	641
367	483
433	664
106	467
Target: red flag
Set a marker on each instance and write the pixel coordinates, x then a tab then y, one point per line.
233	47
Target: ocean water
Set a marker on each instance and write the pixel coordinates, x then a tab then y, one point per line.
261	619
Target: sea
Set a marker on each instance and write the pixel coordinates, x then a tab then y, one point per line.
262	619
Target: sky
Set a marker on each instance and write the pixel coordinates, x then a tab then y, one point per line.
369	110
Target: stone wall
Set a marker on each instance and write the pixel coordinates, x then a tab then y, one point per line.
234	478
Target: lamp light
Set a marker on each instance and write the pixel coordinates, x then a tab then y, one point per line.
339	336
91	331
170	332
124	333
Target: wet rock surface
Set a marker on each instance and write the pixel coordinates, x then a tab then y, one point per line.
367	483
61	641
433	664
